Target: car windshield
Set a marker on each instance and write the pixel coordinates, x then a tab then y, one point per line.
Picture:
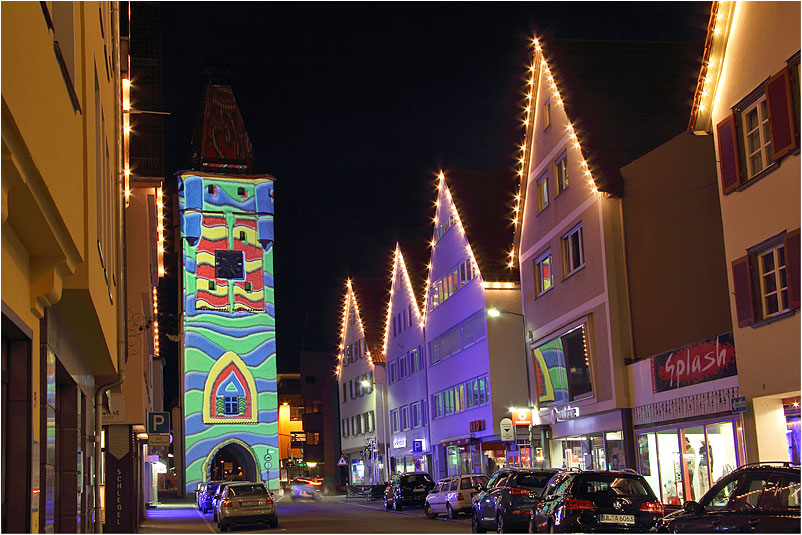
535	482
212	487
417	479
247	490
590	487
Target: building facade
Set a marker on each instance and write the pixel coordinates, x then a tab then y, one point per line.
748	98
229	336
475	369
407	392
362	384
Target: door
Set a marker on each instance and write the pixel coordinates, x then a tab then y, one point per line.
713	509
487	499
436	499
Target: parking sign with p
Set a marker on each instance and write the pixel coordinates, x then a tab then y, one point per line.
158	423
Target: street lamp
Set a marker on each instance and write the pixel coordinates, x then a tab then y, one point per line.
366	384
495	313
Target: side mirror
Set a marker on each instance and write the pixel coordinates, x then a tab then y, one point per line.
692	507
480	487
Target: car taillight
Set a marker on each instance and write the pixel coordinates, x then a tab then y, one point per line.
653	507
518	491
226	503
460	497
576	503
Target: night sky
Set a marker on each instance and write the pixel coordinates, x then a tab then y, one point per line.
355	107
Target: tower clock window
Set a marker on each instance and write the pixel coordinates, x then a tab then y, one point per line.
229	264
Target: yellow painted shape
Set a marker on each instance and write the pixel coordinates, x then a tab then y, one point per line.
227	358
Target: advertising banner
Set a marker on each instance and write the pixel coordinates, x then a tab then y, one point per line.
704	361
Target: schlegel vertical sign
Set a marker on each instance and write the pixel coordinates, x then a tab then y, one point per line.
120	505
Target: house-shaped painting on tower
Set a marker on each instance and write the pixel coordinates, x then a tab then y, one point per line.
229	335
474	332
362	381
407	392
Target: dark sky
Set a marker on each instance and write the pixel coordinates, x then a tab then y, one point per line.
354	107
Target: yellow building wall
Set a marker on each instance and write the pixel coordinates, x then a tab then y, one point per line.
285	427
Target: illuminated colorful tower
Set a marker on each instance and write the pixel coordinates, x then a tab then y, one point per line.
229	336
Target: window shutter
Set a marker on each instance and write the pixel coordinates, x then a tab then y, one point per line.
729	165
781	120
742	284
792	267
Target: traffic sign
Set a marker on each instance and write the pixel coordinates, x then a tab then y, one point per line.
342	461
739	404
417	446
507	431
158	440
159	422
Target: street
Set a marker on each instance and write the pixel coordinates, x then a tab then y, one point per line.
329	515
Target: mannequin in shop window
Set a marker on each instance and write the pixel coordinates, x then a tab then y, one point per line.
690	460
705	460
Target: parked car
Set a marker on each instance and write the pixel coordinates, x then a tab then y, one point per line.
217	496
453	495
408	488
596	501
304	487
506	502
205	495
246	503
756	498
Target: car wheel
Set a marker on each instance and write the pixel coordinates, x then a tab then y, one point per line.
476	527
427	510
499	523
451	514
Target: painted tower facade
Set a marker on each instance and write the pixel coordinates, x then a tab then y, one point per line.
229	336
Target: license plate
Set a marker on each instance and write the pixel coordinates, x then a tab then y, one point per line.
617	519
251	503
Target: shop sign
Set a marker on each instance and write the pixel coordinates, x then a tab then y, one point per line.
566	413
507	430
399	442
477	426
693	364
522	416
694	406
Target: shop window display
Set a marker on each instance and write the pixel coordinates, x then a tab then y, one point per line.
683	463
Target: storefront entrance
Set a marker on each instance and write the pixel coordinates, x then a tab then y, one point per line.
409	464
681	463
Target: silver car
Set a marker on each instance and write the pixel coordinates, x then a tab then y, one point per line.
246	503
453	495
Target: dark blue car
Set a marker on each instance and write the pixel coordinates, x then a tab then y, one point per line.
205	494
509	497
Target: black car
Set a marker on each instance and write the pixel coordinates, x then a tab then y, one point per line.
757	498
506	502
407	489
596	501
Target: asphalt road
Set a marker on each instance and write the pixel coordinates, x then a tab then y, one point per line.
329	515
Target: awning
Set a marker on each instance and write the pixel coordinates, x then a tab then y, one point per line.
458	442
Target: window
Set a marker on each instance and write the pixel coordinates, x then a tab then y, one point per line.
544	279
313	439
760	131
404	417
416	414
542	192
242	237
434	351
402	367
561	172
448	285
576	363
393	372
773	281
345	429
460	397
345	393
573	250
248	287
748	495
766	280
546	113
443	227
231	403
414	365
212	285
394	420
756	139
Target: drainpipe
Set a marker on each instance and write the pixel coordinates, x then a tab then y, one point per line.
122	298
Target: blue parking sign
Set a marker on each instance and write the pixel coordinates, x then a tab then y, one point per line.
159	423
417	446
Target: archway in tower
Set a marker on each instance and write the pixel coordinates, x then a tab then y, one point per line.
233	462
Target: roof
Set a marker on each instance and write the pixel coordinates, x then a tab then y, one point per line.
625	98
416	260
483	201
220	142
371	298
